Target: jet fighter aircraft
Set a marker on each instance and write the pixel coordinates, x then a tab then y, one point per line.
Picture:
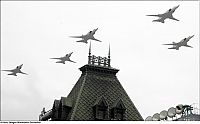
86	37
183	42
65	58
16	70
166	15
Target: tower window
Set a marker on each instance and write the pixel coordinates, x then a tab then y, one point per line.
118	111
119	114
100	109
101	112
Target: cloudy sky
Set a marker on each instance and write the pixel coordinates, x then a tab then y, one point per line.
155	78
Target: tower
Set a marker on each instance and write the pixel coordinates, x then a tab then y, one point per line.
97	95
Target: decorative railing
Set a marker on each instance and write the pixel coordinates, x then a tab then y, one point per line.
98	60
44	116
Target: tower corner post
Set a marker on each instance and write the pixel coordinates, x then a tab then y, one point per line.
109	56
89	56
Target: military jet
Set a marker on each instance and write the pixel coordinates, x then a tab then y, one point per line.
65	58
183	42
16	70
85	38
167	14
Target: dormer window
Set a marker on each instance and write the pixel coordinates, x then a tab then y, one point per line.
118	110
100	109
55	110
66	106
61	109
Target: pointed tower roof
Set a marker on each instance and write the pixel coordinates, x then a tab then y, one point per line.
95	82
97	85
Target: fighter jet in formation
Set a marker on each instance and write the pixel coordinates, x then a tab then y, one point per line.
16	70
65	58
85	38
183	42
166	15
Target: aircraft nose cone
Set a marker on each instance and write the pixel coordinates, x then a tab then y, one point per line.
21	66
191	36
177	6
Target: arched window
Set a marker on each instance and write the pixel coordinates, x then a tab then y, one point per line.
100	109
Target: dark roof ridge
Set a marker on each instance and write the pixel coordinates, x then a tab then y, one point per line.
78	97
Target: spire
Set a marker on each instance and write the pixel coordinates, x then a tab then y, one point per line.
109	52
89	57
90	49
98	60
109	56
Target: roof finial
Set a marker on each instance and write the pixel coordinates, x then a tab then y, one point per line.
109	56
109	51
89	57
90	49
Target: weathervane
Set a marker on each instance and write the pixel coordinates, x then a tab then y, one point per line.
98	60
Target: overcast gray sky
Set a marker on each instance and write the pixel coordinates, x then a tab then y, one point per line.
154	77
